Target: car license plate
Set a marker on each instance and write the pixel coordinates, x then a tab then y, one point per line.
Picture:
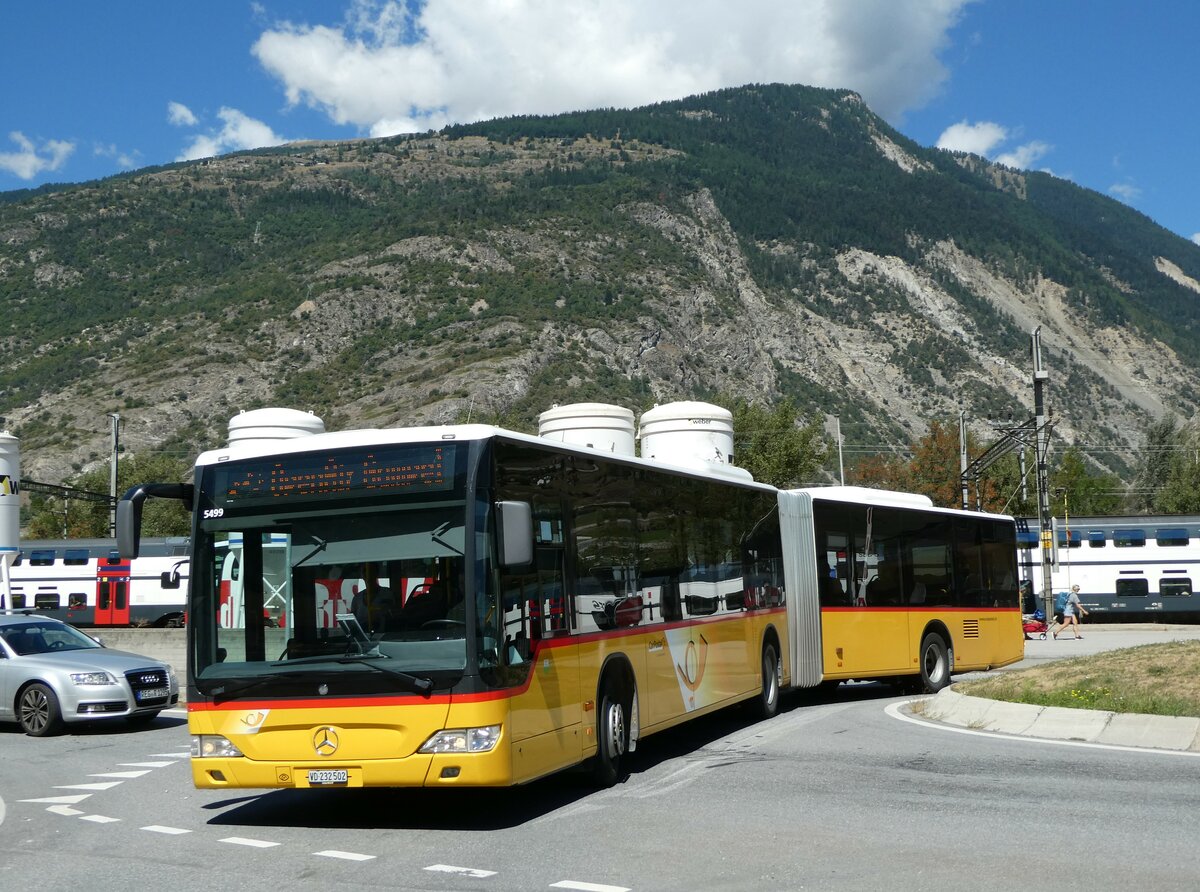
328	776
153	694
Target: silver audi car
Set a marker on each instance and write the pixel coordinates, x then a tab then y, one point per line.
51	674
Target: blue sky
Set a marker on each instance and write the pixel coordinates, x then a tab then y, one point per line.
1099	91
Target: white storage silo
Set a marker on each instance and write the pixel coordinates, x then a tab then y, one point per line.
687	433
270	425
595	425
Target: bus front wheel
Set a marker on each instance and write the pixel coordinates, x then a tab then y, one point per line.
612	737
935	663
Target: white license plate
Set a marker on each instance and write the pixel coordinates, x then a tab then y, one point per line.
328	776
153	694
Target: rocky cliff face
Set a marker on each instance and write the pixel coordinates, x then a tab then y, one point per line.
506	290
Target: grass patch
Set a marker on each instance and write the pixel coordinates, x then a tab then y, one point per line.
1155	679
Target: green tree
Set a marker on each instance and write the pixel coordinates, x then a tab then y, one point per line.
1180	492
1076	490
53	517
1162	441
776	445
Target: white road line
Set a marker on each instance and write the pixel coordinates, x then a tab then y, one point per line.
170	755
123	775
461	871
253	843
145	764
172	831
99	819
105	786
61	800
587	887
64	810
893	709
345	856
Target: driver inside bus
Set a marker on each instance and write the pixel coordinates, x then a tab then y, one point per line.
373	603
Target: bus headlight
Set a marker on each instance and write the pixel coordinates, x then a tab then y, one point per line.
213	746
463	740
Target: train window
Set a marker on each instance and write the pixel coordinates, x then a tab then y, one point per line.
1129	538
1175	587
1096	539
113	558
18	601
76	557
41	557
76	601
1132	588
1174	536
1068	539
47	601
1027	538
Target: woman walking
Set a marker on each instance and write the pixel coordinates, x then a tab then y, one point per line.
1071	613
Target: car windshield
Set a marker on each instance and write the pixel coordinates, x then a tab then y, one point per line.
40	637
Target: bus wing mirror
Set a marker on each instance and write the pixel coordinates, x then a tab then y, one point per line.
515	528
129	512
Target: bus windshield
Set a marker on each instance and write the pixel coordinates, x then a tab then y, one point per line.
355	595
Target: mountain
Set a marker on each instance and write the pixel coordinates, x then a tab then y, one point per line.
758	242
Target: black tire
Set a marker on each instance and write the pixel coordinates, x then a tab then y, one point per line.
935	663
766	704
612	737
38	711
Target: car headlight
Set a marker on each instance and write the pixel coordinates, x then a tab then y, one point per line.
213	746
463	740
92	678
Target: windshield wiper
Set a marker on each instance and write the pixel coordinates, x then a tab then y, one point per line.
417	684
230	689
321	543
436	536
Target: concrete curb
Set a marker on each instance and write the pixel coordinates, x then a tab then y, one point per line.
1059	723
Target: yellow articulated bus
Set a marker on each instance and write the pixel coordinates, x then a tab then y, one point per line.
468	606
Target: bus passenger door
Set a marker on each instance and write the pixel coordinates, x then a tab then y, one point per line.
112	595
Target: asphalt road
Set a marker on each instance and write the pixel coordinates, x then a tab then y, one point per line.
835	793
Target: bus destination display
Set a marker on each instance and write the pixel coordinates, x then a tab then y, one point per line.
395	469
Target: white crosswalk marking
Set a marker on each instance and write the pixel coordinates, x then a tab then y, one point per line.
124	775
99	819
345	856
104	786
253	843
172	831
145	764
61	800
64	810
587	887
461	871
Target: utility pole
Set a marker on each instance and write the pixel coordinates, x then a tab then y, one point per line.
962	458
841	466
112	478
1041	450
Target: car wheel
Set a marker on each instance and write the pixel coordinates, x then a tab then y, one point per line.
38	712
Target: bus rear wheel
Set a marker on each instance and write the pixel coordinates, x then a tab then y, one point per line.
612	737
766	705
935	663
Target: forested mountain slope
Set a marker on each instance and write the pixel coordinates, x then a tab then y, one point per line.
758	242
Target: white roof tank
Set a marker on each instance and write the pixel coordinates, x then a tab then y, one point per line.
687	433
272	425
10	497
595	425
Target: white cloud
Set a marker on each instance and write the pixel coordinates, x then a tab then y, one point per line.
180	115
29	160
978	139
125	160
1024	157
986	137
394	65
1127	192
1196	238
240	131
